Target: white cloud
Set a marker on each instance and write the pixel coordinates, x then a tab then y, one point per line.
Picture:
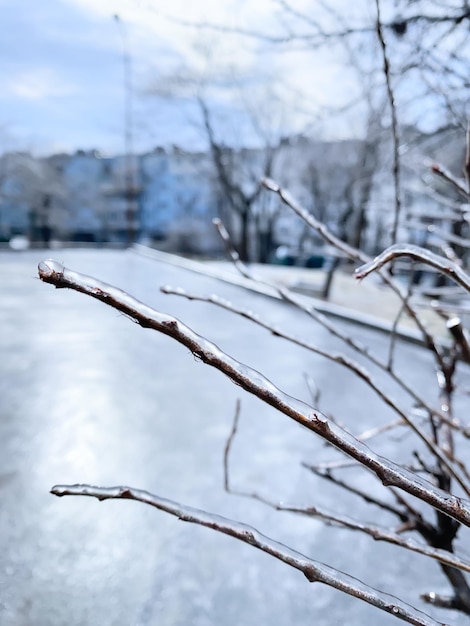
38	84
151	25
71	68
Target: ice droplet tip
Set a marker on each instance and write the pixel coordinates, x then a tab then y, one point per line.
49	267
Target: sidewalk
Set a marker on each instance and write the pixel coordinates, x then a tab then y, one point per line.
368	302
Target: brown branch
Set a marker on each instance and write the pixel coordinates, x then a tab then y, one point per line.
355	255
340	359
343	521
466	168
228	445
393	333
441	601
325	473
391	474
349	251
379	534
313	570
319	36
230	249
321	319
419	523
456	329
450	269
443	173
394	120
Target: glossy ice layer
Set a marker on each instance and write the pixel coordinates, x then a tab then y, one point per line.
49	267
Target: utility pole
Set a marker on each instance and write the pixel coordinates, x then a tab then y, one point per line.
131	191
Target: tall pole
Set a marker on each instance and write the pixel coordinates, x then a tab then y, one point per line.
130	187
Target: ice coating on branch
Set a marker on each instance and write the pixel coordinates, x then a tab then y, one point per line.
48	267
314	571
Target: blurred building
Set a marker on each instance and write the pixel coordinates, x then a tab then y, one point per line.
85	197
169	197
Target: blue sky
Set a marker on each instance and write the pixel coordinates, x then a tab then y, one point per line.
62	69
62	74
55	73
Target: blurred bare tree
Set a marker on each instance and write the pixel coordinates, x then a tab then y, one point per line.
32	191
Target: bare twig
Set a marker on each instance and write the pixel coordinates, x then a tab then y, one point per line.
379	534
439	600
340	359
424	527
450	269
393	333
313	570
325	467
454	326
379	430
394	120
321	319
463	242
314	389
349	252
443	173
317	35
466	168
355	255
325	473
230	249
391	474
228	445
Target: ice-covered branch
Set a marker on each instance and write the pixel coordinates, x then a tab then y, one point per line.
340	359
324	471
354	254
330	518
230	249
379	534
391	474
349	252
458	332
457	183
313	570
443	265
326	323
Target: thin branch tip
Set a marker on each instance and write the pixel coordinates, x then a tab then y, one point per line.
416	253
49	269
358	274
269	184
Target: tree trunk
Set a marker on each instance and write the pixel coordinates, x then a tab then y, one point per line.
243	244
